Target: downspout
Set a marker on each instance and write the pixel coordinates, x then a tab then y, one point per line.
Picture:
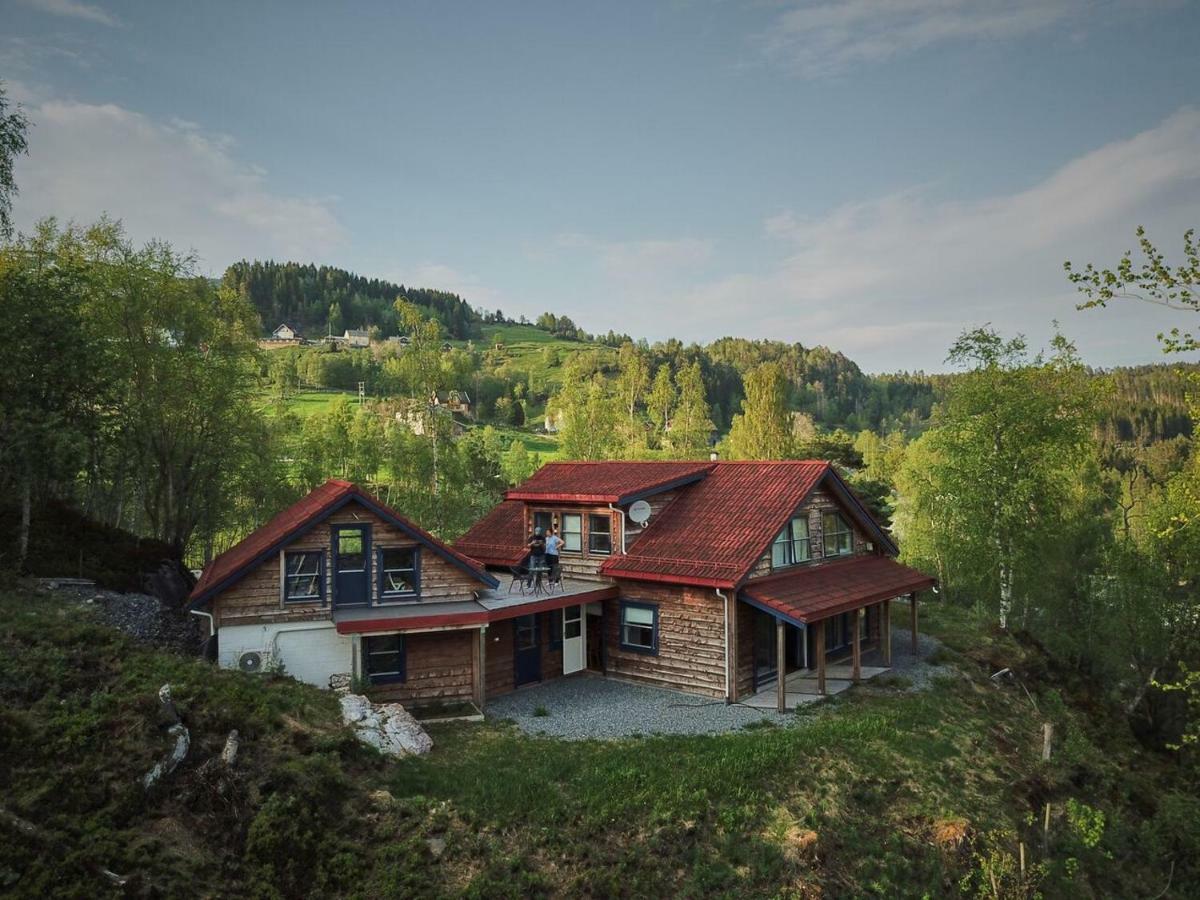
728	687
212	622
622	512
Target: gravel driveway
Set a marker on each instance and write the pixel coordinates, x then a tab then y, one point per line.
589	706
593	707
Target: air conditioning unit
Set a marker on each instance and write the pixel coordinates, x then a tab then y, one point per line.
254	661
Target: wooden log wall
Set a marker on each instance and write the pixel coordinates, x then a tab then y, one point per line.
258	598
691	638
584	564
439	668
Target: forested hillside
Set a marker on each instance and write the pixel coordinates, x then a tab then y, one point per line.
320	298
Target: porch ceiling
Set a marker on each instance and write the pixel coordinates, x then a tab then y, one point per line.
812	593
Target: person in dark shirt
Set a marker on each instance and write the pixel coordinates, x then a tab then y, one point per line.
537	552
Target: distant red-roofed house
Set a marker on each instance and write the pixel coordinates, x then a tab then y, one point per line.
707	577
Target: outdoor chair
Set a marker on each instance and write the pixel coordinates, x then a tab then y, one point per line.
520	577
555	579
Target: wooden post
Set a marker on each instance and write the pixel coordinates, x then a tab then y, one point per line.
1047	735
820	641
733	649
856	648
885	632
481	667
912	602
780	667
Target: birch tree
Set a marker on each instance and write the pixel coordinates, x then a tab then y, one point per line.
992	480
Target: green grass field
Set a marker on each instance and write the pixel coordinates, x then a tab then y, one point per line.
311	403
877	792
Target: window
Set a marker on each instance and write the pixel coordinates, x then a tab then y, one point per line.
349	546
572	532
556	629
599	534
302	582
791	546
383	658
639	627
399	572
839	539
543	520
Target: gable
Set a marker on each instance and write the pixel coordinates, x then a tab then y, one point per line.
299	518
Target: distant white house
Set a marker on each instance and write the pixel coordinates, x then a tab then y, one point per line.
286	332
356	337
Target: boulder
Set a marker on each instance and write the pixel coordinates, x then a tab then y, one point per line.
388	727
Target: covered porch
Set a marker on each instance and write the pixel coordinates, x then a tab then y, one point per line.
819	630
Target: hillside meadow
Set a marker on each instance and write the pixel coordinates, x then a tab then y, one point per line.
878	792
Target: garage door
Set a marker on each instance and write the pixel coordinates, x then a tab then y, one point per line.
313	656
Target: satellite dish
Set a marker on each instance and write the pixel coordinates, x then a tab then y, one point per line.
640	512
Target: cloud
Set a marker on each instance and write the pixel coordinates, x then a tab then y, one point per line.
73	9
442	277
164	179
818	39
915	269
639	261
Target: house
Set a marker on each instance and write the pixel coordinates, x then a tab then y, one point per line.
454	401
722	579
356	337
286	332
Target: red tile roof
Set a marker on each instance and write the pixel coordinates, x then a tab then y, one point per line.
716	530
498	539
237	561
812	593
606	482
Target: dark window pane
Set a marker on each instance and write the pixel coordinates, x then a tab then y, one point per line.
350	557
302	580
399	570
599	534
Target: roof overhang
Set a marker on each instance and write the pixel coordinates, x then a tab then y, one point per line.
465	614
813	593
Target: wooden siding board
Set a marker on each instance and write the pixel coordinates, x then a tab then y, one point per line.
257	598
438	668
691	639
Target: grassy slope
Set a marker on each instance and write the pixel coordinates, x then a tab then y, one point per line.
868	798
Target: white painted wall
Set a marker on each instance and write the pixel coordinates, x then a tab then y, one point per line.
309	651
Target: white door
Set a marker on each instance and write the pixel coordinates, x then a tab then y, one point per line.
574	639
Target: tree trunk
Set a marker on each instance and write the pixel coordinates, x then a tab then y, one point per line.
26	519
1005	593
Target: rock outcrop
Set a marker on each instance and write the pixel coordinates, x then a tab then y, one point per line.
386	726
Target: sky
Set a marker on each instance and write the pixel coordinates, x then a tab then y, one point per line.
871	175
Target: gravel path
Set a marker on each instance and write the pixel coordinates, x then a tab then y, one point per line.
592	707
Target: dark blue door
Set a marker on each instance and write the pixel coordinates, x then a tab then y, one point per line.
527	651
351	550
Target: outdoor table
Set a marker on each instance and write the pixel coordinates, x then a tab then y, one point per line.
538	573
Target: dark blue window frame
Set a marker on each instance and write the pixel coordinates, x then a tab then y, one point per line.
392	596
392	676
320	554
638	648
335	532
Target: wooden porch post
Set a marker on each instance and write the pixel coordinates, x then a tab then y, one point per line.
912	602
820	641
733	649
481	668
856	648
885	632
780	667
